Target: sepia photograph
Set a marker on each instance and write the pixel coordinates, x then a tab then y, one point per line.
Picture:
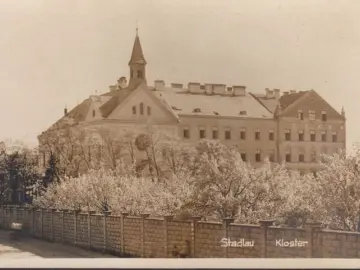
179	129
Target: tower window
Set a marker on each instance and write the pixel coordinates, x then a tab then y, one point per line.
93	113
140	74
148	110
141	108
134	109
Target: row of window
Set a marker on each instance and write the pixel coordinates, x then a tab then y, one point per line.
312	135
312	115
257	135
288	156
141	109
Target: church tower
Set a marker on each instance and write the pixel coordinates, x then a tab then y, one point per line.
137	64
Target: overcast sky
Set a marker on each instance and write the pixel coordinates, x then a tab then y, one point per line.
56	52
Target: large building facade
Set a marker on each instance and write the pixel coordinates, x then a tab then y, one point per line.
294	127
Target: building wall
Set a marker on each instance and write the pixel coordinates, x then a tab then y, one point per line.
129	236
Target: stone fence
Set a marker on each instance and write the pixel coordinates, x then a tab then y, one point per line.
129	236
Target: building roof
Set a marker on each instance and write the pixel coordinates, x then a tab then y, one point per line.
268	103
137	55
184	103
288	99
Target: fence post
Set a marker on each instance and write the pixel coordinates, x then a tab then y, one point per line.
32	221
75	226
265	224
166	237
106	214
52	225
194	222
89	227
143	217
225	224
62	224
311	229
122	232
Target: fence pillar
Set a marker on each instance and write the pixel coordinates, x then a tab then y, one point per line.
76	212
42	223
106	214
265	224
122	232
89	227
166	237
225	224
143	217
195	220
311	229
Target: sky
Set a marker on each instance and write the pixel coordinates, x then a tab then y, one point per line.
55	53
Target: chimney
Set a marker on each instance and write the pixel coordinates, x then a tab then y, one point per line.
194	87
122	83
177	85
65	111
268	93
159	84
113	88
219	89
277	93
286	93
208	88
228	91
239	90
292	91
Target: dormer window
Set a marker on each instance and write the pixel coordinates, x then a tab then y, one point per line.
134	109
197	110
242	113
141	108
216	113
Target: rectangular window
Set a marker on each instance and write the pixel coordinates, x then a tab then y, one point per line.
334	136
323	116
301	115
313	156
301	135
312	115
323	136
301	157
242	134
288	157
257	135
215	134
243	156
186	133
258	156
272	156
227	134
312	135
287	135
271	135
202	133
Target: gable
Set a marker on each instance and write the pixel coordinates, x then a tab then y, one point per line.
153	109
93	112
312	101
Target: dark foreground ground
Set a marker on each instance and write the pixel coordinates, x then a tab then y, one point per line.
32	248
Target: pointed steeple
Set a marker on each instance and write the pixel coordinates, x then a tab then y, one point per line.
343	111
137	64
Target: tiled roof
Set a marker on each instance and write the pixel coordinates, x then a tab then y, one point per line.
116	98
287	100
184	103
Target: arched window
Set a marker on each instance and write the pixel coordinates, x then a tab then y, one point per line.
148	110
134	109
141	108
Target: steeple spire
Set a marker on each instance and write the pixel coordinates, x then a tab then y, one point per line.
137	63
